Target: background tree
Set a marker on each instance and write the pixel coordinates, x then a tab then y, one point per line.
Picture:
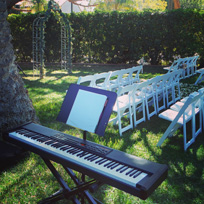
185	4
131	5
15	105
39	5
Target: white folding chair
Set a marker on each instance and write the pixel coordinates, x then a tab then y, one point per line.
176	84
183	100
138	103
172	87
159	90
201	76
122	108
175	65
194	64
150	99
134	74
190	70
184	67
181	114
201	91
125	77
86	80
115	79
101	80
169	89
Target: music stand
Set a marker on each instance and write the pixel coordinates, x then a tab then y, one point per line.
96	104
89	109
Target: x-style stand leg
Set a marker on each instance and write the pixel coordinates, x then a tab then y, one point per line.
81	188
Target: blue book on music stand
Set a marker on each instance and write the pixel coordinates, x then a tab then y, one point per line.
87	108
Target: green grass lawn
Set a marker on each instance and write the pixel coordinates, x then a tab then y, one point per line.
30	180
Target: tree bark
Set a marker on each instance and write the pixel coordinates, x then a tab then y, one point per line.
15	105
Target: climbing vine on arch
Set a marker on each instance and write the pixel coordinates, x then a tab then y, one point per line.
38	34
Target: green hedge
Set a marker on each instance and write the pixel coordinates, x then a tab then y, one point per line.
117	37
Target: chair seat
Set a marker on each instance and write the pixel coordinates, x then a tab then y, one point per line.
170	115
123	101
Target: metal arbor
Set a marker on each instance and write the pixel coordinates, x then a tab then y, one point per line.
38	33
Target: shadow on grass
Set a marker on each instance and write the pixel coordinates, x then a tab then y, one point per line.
185	175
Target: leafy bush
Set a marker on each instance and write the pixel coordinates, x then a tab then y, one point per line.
116	37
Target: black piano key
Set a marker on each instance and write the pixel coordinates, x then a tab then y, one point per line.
114	166
77	151
107	164
57	145
72	150
137	174
27	135
120	168
123	169
52	145
133	173
30	134
82	154
35	137
89	156
60	145
20	130
65	148
101	162
94	158
130	171
49	142
42	139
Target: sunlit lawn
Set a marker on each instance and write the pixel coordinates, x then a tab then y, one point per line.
30	180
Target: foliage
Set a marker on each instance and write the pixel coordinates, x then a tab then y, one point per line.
39	5
131	5
187	4
117	37
196	4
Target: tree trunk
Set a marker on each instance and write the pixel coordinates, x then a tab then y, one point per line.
15	105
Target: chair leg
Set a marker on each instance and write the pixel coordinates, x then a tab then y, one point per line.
178	95
129	115
160	97
169	102
143	118
148	103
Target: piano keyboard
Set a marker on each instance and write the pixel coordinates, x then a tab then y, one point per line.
110	166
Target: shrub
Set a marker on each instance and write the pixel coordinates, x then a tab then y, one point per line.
116	37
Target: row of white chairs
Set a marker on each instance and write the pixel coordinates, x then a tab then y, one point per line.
187	109
112	80
148	98
187	64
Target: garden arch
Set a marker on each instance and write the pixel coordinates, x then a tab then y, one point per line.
38	33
